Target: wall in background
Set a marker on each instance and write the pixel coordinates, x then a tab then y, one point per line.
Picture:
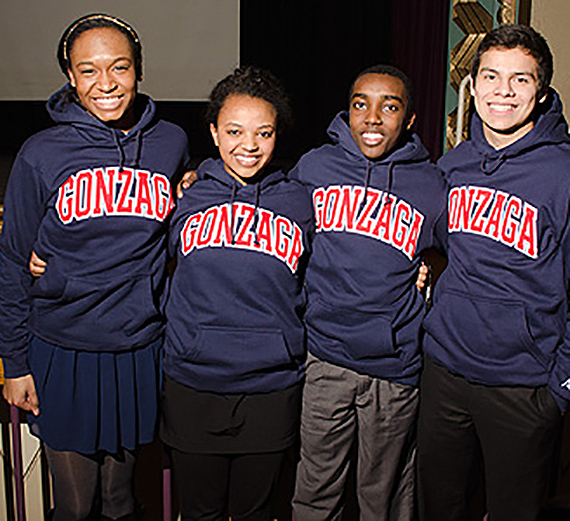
552	19
187	46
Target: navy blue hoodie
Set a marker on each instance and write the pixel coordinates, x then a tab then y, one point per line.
92	201
234	314
501	306
373	220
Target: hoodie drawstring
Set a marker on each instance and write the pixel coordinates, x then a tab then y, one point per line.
121	151
122	158
366	183
232	199
491	166
256	212
391	168
139	137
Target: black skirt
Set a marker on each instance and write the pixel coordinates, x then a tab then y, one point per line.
203	422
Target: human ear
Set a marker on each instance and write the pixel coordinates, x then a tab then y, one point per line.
411	121
214	132
71	78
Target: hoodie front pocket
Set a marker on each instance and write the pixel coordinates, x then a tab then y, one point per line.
107	310
240	351
490	330
361	334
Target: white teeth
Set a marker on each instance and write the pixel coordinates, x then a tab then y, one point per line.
502	108
372	138
247	160
107	101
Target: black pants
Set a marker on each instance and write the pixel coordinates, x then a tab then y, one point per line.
510	431
209	485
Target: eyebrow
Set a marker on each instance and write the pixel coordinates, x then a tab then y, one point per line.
236	124
386	97
516	73
120	58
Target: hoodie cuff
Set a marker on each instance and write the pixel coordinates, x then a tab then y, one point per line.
560	391
15	367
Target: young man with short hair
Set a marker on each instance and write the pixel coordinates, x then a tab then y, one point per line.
378	204
497	375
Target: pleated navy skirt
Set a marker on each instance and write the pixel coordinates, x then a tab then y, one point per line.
94	402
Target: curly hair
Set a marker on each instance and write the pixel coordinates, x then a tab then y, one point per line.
512	36
97	21
256	83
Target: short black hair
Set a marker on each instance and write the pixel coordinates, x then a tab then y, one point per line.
390	70
97	21
511	36
256	83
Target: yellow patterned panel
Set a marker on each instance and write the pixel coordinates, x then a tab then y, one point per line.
471	17
461	58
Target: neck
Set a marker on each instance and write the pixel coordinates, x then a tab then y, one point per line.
501	140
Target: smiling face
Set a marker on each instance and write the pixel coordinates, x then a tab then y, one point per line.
102	70
378	113
505	92
245	135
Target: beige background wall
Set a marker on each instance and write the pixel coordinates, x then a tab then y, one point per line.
187	44
552	19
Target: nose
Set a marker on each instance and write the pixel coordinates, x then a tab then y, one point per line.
504	87
106	82
250	141
374	115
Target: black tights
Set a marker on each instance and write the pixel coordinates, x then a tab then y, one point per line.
80	482
208	484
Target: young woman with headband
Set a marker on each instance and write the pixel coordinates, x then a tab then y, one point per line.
91	197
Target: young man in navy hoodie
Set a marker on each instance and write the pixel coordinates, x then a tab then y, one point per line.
378	203
497	376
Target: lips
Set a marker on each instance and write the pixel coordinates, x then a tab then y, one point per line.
372	139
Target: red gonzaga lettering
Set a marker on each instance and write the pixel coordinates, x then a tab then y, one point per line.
65	200
500	216
143	194
106	191
348	207
528	235
365	222
483	198
382	217
318	205
188	233
330	207
277	235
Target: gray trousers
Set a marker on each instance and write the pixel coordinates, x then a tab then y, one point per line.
342	408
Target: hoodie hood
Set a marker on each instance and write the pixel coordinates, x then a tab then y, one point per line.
408	149
550	129
214	169
64	108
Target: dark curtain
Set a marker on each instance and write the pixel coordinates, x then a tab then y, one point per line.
419	47
316	48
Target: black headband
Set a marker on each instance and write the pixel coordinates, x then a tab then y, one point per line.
108	18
